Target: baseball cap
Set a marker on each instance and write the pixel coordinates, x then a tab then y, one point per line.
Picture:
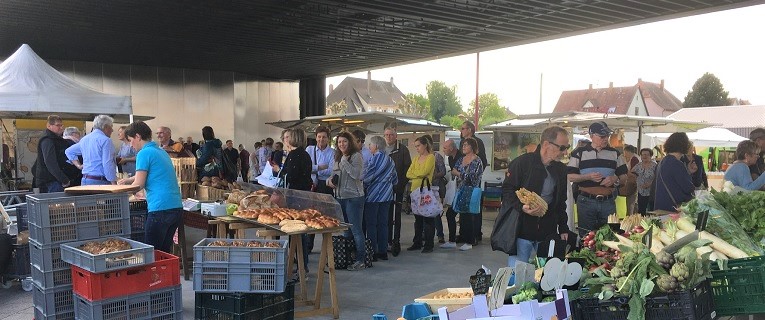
600	128
757	134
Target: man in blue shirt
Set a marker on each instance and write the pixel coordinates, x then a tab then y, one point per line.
366	154
322	157
99	166
264	154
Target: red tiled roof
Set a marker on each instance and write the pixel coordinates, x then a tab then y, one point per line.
658	101
602	100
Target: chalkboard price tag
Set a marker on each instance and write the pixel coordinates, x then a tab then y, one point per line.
480	282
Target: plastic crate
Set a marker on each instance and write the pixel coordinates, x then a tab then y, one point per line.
52	278
740	288
246	306
138	205
158	304
59	208
244	279
78	231
163	273
138	236
53	301
139	255
693	304
260	256
19	266
39	315
46	257
22	218
138	221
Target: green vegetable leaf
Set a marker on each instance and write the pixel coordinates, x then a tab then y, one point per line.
637	308
646	287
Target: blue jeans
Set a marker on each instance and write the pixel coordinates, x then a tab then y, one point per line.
54	186
376	222
525	248
160	228
353	212
93	182
593	213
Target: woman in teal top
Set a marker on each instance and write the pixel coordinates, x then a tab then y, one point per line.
155	173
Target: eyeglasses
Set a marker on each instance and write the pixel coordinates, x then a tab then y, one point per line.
560	147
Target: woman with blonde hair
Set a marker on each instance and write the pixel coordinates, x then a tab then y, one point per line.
422	168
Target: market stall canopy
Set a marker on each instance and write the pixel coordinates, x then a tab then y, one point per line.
707	137
373	121
580	121
30	88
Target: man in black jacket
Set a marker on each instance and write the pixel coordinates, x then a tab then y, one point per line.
401	158
48	168
543	173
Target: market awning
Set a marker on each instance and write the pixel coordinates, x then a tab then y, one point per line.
578	122
707	137
373	121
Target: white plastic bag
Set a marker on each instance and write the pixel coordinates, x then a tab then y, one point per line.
451	190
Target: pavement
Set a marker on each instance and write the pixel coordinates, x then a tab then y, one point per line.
386	287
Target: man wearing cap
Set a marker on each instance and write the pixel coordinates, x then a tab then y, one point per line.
758	136
598	169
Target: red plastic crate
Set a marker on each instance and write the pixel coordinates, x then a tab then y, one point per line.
164	272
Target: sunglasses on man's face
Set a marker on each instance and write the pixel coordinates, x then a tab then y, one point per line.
560	147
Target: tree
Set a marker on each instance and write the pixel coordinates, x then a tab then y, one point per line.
706	92
337	107
415	105
443	100
489	111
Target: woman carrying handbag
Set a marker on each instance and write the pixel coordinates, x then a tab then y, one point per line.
421	170
467	201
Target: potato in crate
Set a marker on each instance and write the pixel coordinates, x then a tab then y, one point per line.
108	254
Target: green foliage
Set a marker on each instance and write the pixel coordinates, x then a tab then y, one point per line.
706	92
453	121
748	208
415	105
443	100
722	218
489	110
527	292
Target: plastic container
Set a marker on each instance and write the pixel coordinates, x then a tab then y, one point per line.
138	205
39	315
77	231
163	273
22	218
53	301
692	304
414	311
159	304
46	257
237	306
51	279
19	267
139	255
740	288
222	269
138	221
59	208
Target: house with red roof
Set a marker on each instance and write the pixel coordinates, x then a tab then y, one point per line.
644	99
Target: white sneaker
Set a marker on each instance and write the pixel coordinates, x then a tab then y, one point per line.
448	245
466	247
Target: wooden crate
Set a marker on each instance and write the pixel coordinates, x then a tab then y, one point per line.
206	193
451	304
188	189
185	169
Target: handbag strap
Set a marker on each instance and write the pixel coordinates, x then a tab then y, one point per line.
665	185
424	181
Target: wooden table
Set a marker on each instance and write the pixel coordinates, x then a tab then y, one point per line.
326	260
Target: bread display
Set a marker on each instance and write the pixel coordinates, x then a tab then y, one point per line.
107	246
289	220
240	243
532	199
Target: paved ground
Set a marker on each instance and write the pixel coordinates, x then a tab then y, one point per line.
384	288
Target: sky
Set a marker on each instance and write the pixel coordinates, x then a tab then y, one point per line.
679	51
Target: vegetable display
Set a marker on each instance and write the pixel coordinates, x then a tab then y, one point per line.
527	292
722	226
748	208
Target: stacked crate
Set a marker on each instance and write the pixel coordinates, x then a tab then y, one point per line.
242	279
138	214
138	283
186	173
56	218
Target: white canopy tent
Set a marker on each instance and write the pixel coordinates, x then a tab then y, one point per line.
32	89
707	137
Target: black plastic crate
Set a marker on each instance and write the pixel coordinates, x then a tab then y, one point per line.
138	221
22	218
693	304
246	306
19	267
138	205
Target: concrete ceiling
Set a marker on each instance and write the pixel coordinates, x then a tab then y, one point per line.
293	39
